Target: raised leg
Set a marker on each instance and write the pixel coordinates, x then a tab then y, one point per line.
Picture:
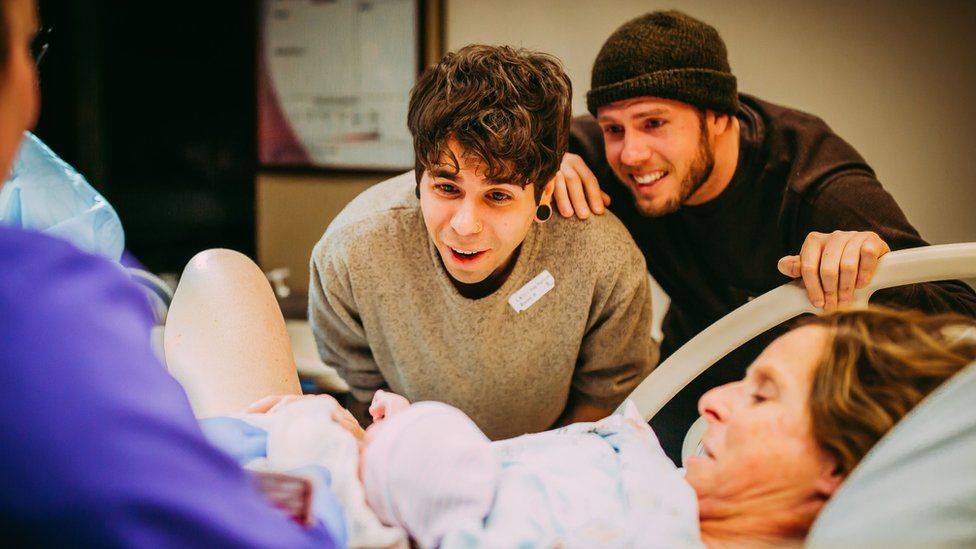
225	338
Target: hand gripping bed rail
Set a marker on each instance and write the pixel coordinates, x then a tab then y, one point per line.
926	264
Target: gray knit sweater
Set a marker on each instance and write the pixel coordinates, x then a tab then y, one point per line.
385	313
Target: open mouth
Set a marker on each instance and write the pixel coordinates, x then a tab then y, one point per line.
466	256
649	180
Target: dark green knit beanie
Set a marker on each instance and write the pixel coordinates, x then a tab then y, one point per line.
664	54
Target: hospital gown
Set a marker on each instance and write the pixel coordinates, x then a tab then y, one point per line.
603	484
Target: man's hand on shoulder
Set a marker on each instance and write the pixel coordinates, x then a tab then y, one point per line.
833	265
577	190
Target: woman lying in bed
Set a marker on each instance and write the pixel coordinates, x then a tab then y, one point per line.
779	443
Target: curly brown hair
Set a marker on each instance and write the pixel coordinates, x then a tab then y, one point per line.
507	108
878	365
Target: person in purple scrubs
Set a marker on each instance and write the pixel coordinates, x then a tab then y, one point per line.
98	446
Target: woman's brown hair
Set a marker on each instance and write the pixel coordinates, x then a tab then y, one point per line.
878	365
507	108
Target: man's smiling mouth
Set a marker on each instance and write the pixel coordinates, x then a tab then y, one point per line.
466	255
649	179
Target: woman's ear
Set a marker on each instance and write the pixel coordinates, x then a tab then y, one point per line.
830	477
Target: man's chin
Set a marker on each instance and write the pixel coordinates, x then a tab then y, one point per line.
653	204
466	277
656	208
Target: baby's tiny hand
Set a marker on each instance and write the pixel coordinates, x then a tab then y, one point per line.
346	420
385	404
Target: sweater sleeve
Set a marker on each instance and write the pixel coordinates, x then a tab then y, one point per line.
337	325
617	351
857	202
100	447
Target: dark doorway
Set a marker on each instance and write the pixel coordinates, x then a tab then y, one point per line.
154	102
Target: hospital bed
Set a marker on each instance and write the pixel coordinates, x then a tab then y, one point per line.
917	487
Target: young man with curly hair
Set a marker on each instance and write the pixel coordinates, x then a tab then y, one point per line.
449	284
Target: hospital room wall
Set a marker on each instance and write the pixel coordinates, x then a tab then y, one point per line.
894	78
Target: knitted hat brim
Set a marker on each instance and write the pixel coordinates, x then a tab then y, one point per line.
703	88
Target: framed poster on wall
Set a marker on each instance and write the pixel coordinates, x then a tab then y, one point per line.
334	79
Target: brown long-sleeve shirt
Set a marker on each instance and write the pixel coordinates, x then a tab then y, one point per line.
794	176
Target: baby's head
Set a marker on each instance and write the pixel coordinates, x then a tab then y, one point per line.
429	469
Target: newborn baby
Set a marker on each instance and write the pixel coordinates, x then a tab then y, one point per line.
299	434
428	469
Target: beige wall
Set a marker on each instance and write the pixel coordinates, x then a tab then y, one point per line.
895	78
293	212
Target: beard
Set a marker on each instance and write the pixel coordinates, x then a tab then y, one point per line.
699	171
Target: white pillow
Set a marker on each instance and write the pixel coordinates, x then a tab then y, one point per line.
917	486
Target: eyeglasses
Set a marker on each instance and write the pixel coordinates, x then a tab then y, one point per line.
40	44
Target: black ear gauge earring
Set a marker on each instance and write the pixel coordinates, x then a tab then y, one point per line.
416	191
543	213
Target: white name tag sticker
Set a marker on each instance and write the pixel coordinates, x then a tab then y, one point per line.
532	291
